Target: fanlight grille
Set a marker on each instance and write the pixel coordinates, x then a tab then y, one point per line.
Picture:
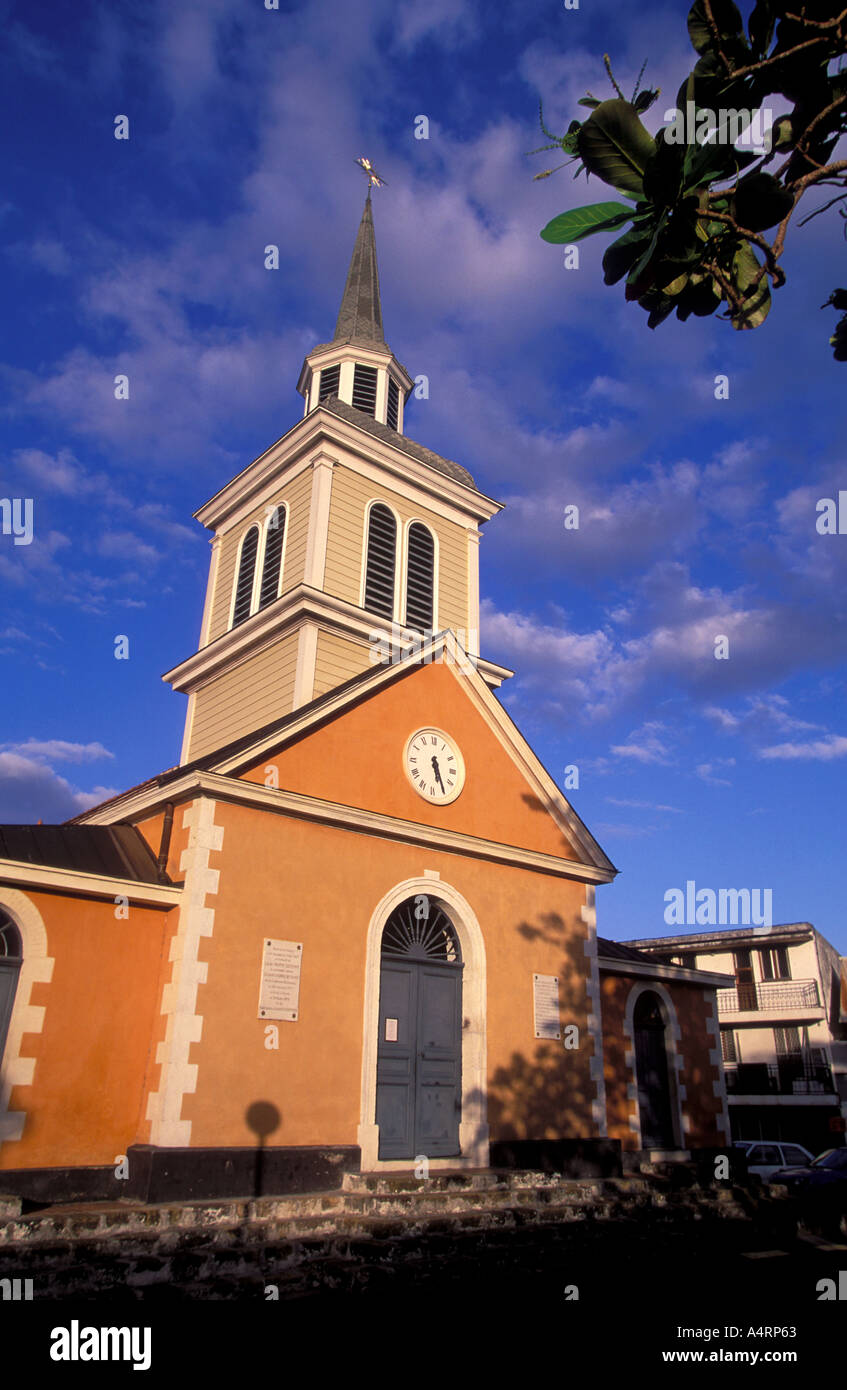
11	946
419	928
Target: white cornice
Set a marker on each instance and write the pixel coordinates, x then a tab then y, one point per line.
227	788
307	434
329	353
71	881
283	616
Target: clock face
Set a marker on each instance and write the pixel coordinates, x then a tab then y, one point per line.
434	766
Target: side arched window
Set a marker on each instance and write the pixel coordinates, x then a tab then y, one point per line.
380	562
11	953
420	578
246	572
274	537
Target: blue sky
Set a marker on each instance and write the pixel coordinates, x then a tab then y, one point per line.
145	257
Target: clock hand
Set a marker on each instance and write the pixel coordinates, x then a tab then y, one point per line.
437	773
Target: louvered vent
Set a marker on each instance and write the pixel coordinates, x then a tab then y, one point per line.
393	403
328	385
246	570
379	574
273	554
429	937
419	581
364	389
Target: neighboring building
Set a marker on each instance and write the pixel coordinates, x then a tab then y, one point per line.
356	924
664	1080
783	1036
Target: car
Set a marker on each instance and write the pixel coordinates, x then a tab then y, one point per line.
768	1156
820	1191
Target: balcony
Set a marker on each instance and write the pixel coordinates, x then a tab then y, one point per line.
785	998
790	1076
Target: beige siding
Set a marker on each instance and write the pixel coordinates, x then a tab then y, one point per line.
338	659
254	693
350	496
297	495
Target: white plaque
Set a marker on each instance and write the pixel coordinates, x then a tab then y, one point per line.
391	1030
279	992
545	998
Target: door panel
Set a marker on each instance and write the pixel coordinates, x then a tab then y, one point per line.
395	1073
653	1088
418	1089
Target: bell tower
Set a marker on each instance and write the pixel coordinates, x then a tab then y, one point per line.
343	537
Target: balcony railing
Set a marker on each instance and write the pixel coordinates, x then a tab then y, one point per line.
775	995
788	1077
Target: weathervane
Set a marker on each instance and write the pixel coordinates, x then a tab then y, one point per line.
374	180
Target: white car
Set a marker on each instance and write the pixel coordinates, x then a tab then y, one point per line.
765	1156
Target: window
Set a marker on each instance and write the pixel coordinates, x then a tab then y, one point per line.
729	1050
11	951
364	389
380	563
787	1041
775	963
793	1156
420	575
246	571
274	537
328	383
393	405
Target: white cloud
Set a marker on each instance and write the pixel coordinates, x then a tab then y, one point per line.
821	750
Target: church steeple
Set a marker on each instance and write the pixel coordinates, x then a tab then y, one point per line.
358	367
360	315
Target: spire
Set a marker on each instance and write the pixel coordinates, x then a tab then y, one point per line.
360	316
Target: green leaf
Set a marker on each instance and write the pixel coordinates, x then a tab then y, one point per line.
757	302
761	202
637	281
582	222
623	253
645	99
588	101
614	145
727	20
760	27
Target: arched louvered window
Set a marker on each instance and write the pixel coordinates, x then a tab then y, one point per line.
364	388
381	558
11	951
420	578
393	404
274	537
246	572
420	929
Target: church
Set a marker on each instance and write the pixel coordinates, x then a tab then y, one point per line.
354	929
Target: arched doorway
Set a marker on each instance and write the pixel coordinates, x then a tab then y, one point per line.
652	1075
419	1051
11	959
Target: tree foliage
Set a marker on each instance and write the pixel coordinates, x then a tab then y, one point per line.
708	220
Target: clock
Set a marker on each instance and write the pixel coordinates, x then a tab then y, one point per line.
434	766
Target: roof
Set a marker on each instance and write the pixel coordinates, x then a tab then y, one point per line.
398	441
717	937
114	851
360	315
614	950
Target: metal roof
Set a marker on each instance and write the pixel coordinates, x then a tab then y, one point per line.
115	851
360	315
398	441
